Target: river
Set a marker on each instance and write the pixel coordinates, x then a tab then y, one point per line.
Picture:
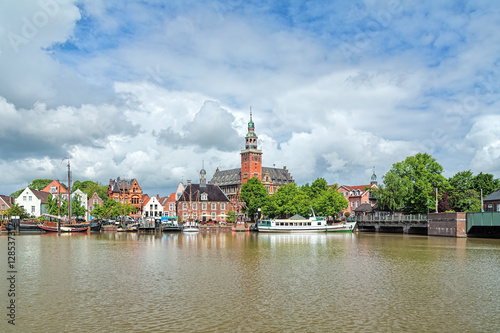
220	281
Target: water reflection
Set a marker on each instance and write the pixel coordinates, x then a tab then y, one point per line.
249	282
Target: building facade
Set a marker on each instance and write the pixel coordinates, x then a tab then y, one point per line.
358	195
152	208
127	191
5	203
230	181
33	202
56	189
92	203
203	202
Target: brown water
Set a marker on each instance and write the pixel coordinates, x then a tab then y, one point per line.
221	281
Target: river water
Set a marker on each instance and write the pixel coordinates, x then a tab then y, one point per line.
220	281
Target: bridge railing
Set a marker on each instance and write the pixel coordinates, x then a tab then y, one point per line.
391	218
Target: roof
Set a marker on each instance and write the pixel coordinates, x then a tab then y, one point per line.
493	196
227	177
43	196
277	176
118	184
8	200
193	193
367	208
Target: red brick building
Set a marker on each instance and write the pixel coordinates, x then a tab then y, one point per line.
203	202
358	195
126	191
230	181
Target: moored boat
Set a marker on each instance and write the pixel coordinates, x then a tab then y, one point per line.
52	227
300	224
190	227
170	224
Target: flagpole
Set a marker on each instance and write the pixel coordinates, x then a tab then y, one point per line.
436	200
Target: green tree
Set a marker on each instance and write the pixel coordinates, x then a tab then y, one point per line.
16	210
89	187
485	182
412	183
231	216
39	184
461	181
255	196
330	202
285	200
104	210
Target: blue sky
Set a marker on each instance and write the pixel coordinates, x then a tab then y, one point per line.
150	89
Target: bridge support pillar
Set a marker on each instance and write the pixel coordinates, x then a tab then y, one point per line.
406	229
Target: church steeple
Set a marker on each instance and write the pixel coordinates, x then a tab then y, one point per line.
203	175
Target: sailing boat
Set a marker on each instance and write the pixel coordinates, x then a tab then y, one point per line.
191	225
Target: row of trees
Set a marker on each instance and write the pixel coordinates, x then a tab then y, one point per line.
291	199
410	186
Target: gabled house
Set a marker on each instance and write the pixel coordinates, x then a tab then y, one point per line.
152	207
34	202
168	204
5	203
55	188
203	202
92	203
83	199
358	195
126	191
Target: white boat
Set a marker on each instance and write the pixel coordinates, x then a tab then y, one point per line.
299	224
190	227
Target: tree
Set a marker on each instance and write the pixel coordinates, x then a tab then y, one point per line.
485	182
104	210
411	184
39	184
89	187
284	201
16	210
255	196
330	202
231	216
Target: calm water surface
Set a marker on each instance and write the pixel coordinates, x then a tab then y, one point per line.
219	281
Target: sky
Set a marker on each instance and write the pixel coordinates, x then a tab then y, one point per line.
155	90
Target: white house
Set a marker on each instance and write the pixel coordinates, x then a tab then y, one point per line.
34	202
83	199
152	207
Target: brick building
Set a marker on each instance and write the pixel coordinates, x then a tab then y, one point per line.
492	202
203	202
230	181
358	195
127	191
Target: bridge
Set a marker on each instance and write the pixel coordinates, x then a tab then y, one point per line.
435	224
415	223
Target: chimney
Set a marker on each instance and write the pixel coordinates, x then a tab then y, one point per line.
284	167
188	183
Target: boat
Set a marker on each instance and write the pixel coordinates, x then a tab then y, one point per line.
240	226
170	224
24	226
341	227
52	227
191	227
298	223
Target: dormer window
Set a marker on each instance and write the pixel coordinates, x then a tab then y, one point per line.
53	189
204	196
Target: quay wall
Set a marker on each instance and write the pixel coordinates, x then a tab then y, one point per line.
447	224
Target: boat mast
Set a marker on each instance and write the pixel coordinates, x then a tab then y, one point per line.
69	193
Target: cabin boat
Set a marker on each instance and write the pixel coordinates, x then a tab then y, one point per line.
300	224
170	224
190	227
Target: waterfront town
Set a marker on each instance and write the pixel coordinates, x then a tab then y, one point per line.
219	201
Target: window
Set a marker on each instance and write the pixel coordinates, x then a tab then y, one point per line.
32	209
95	201
194	206
204	206
223	206
24	198
204	196
3	207
352	204
498	207
184	206
213	216
156	206
490	208
171	207
214	206
346	194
